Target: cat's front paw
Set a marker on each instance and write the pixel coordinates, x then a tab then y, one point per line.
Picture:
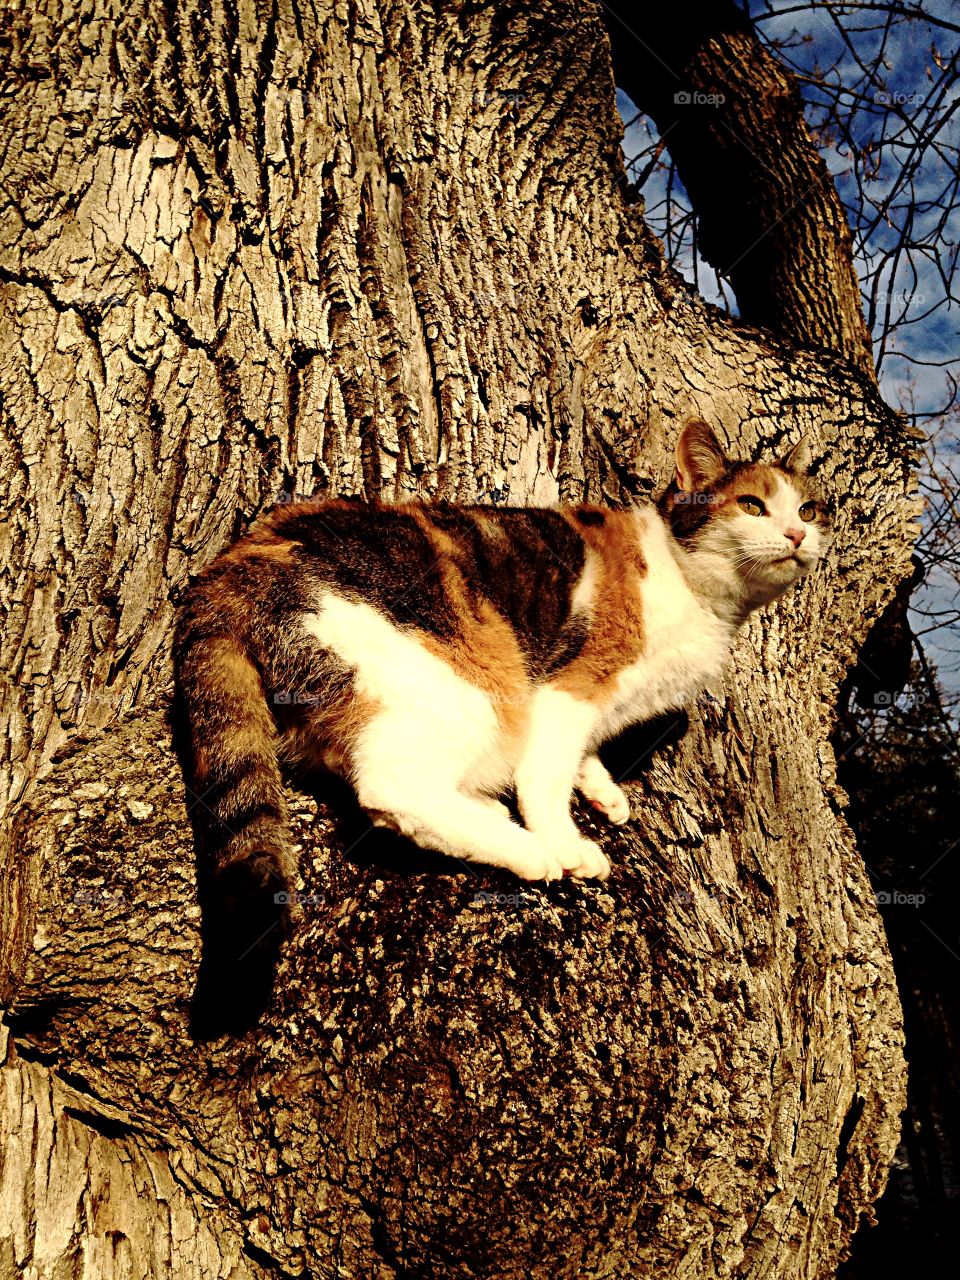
543	866
584	859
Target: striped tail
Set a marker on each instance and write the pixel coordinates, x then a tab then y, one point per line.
227	742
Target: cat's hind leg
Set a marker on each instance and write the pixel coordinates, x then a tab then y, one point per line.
596	786
422	737
408	780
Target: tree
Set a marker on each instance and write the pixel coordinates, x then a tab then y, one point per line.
878	81
259	251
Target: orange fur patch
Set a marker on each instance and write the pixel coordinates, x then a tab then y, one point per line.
324	736
262	540
616	637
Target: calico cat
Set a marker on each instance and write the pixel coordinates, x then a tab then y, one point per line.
439	656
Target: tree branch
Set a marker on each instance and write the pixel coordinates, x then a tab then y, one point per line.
769	214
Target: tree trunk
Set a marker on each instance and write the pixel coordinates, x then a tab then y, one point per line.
261	250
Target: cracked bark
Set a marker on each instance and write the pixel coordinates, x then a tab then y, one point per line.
385	249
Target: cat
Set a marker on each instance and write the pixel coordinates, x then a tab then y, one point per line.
440	656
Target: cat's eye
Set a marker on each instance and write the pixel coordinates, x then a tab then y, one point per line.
808	512
752	506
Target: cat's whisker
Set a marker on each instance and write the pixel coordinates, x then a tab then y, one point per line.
751	562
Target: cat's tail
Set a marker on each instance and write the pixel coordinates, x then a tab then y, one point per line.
227	742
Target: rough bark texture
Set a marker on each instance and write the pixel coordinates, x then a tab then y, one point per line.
385	249
731	116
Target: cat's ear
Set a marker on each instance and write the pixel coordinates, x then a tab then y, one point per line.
700	457
797	458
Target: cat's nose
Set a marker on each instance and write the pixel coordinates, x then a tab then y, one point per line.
796	536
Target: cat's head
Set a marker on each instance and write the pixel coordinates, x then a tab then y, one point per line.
767	522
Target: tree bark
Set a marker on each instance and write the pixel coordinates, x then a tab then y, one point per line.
259	250
731	117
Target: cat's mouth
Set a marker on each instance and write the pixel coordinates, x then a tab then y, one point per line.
791	561
801	563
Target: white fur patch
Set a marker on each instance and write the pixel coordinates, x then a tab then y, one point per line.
595	785
585	592
407	681
685	644
559	729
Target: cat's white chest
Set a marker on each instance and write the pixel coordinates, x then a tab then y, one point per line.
685	644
